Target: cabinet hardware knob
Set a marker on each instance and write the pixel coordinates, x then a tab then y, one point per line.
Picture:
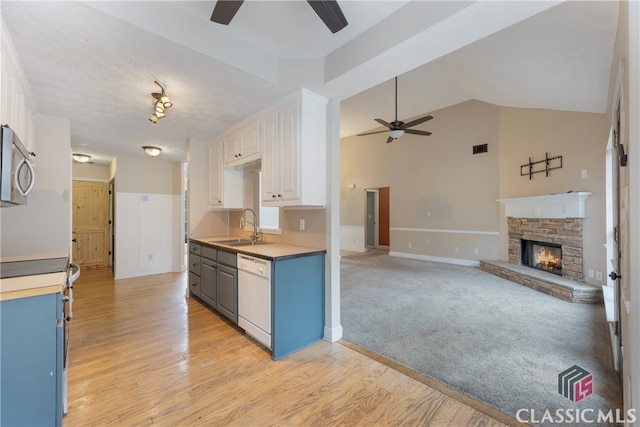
614	276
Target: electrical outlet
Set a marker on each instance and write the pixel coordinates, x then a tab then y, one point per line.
410	245
302	224
457	249
476	251
591	273
599	275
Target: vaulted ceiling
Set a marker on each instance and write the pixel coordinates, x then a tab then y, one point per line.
96	62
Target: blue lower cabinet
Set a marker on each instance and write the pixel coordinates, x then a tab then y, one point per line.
297	290
31	347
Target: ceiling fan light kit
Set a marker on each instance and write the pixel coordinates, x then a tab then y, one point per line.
328	11
160	102
398	128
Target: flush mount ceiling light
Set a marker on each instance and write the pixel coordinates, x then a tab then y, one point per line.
160	102
151	150
81	158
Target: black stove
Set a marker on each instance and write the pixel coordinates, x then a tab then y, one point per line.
33	267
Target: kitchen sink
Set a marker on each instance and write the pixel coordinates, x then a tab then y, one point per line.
236	242
226	242
244	243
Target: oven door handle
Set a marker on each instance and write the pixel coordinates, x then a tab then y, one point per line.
76	273
75	268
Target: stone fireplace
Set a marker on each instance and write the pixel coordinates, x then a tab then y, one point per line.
545	246
563	234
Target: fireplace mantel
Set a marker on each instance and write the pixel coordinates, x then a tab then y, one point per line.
563	205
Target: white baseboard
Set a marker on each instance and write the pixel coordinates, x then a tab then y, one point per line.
457	261
332	334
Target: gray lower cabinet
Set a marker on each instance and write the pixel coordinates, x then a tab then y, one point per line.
228	292
209	282
213	277
195	262
31	351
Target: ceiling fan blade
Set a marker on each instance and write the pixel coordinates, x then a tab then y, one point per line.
225	10
417	132
330	13
418	121
371	133
382	122
390	140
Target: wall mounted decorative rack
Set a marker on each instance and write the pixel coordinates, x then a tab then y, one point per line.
550	163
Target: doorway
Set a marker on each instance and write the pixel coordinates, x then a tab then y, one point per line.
90	223
377	221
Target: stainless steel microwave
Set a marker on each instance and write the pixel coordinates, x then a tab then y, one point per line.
16	171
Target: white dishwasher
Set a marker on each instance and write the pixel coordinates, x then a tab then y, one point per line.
254	297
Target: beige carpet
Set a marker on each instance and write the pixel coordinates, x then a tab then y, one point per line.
495	341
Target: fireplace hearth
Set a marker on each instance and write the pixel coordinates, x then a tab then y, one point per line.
553	226
543	256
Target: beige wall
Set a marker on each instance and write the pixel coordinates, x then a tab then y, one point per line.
43	225
442	196
581	140
148	175
313	235
88	172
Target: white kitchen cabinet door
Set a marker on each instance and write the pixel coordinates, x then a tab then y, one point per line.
294	162
230	147
226	185
242	144
289	147
249	141
215	175
268	126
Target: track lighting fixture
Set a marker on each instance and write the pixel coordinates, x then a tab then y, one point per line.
160	102
151	150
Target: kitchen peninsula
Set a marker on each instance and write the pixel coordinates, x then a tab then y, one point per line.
32	339
292	296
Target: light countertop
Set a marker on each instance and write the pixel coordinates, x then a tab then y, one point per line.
28	286
268	250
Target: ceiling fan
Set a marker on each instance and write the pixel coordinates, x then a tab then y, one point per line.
328	10
398	128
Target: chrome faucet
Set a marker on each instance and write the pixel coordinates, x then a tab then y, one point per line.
255	235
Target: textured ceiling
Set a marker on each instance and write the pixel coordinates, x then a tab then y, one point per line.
96	62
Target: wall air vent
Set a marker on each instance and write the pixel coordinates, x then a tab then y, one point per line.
482	148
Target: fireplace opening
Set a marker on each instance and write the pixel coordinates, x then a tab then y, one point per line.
543	256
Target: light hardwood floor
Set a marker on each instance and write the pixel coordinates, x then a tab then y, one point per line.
143	354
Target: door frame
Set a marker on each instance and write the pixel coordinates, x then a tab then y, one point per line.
371	210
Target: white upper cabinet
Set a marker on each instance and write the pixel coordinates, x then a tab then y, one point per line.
294	151
241	144
226	186
17	108
290	138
